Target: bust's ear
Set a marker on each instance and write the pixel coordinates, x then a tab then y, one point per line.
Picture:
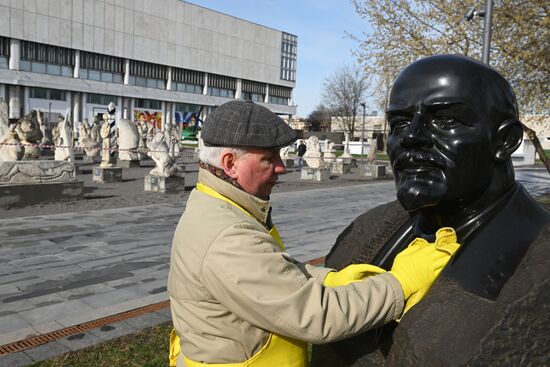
508	139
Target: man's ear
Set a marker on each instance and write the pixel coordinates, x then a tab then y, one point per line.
228	160
508	139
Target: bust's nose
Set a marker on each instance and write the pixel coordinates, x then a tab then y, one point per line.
415	133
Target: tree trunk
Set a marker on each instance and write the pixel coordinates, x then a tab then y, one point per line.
533	136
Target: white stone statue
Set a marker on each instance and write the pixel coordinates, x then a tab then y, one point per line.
91	146
10	148
28	129
330	153
106	136
160	153
171	139
4	121
128	140
371	157
62	137
346	153
313	156
284	152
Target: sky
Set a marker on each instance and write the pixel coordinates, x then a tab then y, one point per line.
321	27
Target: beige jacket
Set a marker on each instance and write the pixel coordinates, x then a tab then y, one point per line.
230	284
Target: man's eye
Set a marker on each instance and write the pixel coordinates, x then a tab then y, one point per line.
445	123
397	126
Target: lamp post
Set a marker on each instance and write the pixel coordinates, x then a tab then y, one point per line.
487	14
50	116
363	136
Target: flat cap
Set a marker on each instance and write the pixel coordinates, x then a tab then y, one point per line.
246	124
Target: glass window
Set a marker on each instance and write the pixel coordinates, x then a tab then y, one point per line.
151	83
94	75
67	71
160	84
25	65
53	69
38	67
106	77
132	80
141	81
56	94
83	73
117	78
4	63
39	93
181	87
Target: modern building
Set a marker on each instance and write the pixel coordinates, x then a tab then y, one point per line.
157	60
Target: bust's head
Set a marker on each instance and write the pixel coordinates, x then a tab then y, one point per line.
453	122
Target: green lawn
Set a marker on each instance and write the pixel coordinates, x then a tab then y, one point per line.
148	348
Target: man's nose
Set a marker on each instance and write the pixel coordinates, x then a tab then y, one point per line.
415	134
279	165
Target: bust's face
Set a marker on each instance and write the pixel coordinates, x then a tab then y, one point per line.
441	141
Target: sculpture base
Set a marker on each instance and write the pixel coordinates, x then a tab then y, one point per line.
375	170
289	162
164	184
340	168
315	174
107	174
35	193
127	164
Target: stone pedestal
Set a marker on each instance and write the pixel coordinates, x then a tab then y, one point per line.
34	193
164	184
375	170
288	162
107	174
127	163
340	168
315	174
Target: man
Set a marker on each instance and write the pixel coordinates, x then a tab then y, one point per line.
453	127
236	296
301	151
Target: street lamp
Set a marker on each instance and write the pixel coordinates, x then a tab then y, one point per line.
487	14
363	135
50	116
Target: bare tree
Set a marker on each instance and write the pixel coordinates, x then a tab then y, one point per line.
319	119
343	92
405	30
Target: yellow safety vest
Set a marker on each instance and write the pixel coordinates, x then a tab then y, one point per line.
277	351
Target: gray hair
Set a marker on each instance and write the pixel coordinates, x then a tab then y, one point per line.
212	155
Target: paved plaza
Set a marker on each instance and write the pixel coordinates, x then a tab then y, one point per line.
65	269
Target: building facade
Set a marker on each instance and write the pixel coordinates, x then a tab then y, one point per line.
156	60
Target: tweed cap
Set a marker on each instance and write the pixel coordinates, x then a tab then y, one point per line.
246	124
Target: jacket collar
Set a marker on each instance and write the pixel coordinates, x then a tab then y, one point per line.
257	207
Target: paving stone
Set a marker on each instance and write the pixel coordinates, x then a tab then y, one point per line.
18	359
79	341
12	322
54	312
47	351
147	320
115	330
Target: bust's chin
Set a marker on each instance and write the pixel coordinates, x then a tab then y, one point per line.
417	195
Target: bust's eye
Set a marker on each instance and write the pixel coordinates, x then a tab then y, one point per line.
445	123
398	124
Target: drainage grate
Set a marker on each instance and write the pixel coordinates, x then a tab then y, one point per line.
35	341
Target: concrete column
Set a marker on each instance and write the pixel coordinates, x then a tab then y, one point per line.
125	107
169	78
131	109
76	70
15	54
3	91
239	91
84	98
76	108
119	108
291	99
126	71
14	105
164	117
26	104
205	89
174	113
266	99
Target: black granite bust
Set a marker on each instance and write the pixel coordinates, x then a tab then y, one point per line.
453	127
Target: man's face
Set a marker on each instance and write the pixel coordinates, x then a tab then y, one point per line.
257	171
441	141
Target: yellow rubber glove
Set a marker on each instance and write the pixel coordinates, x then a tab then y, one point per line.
351	273
418	266
174	347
